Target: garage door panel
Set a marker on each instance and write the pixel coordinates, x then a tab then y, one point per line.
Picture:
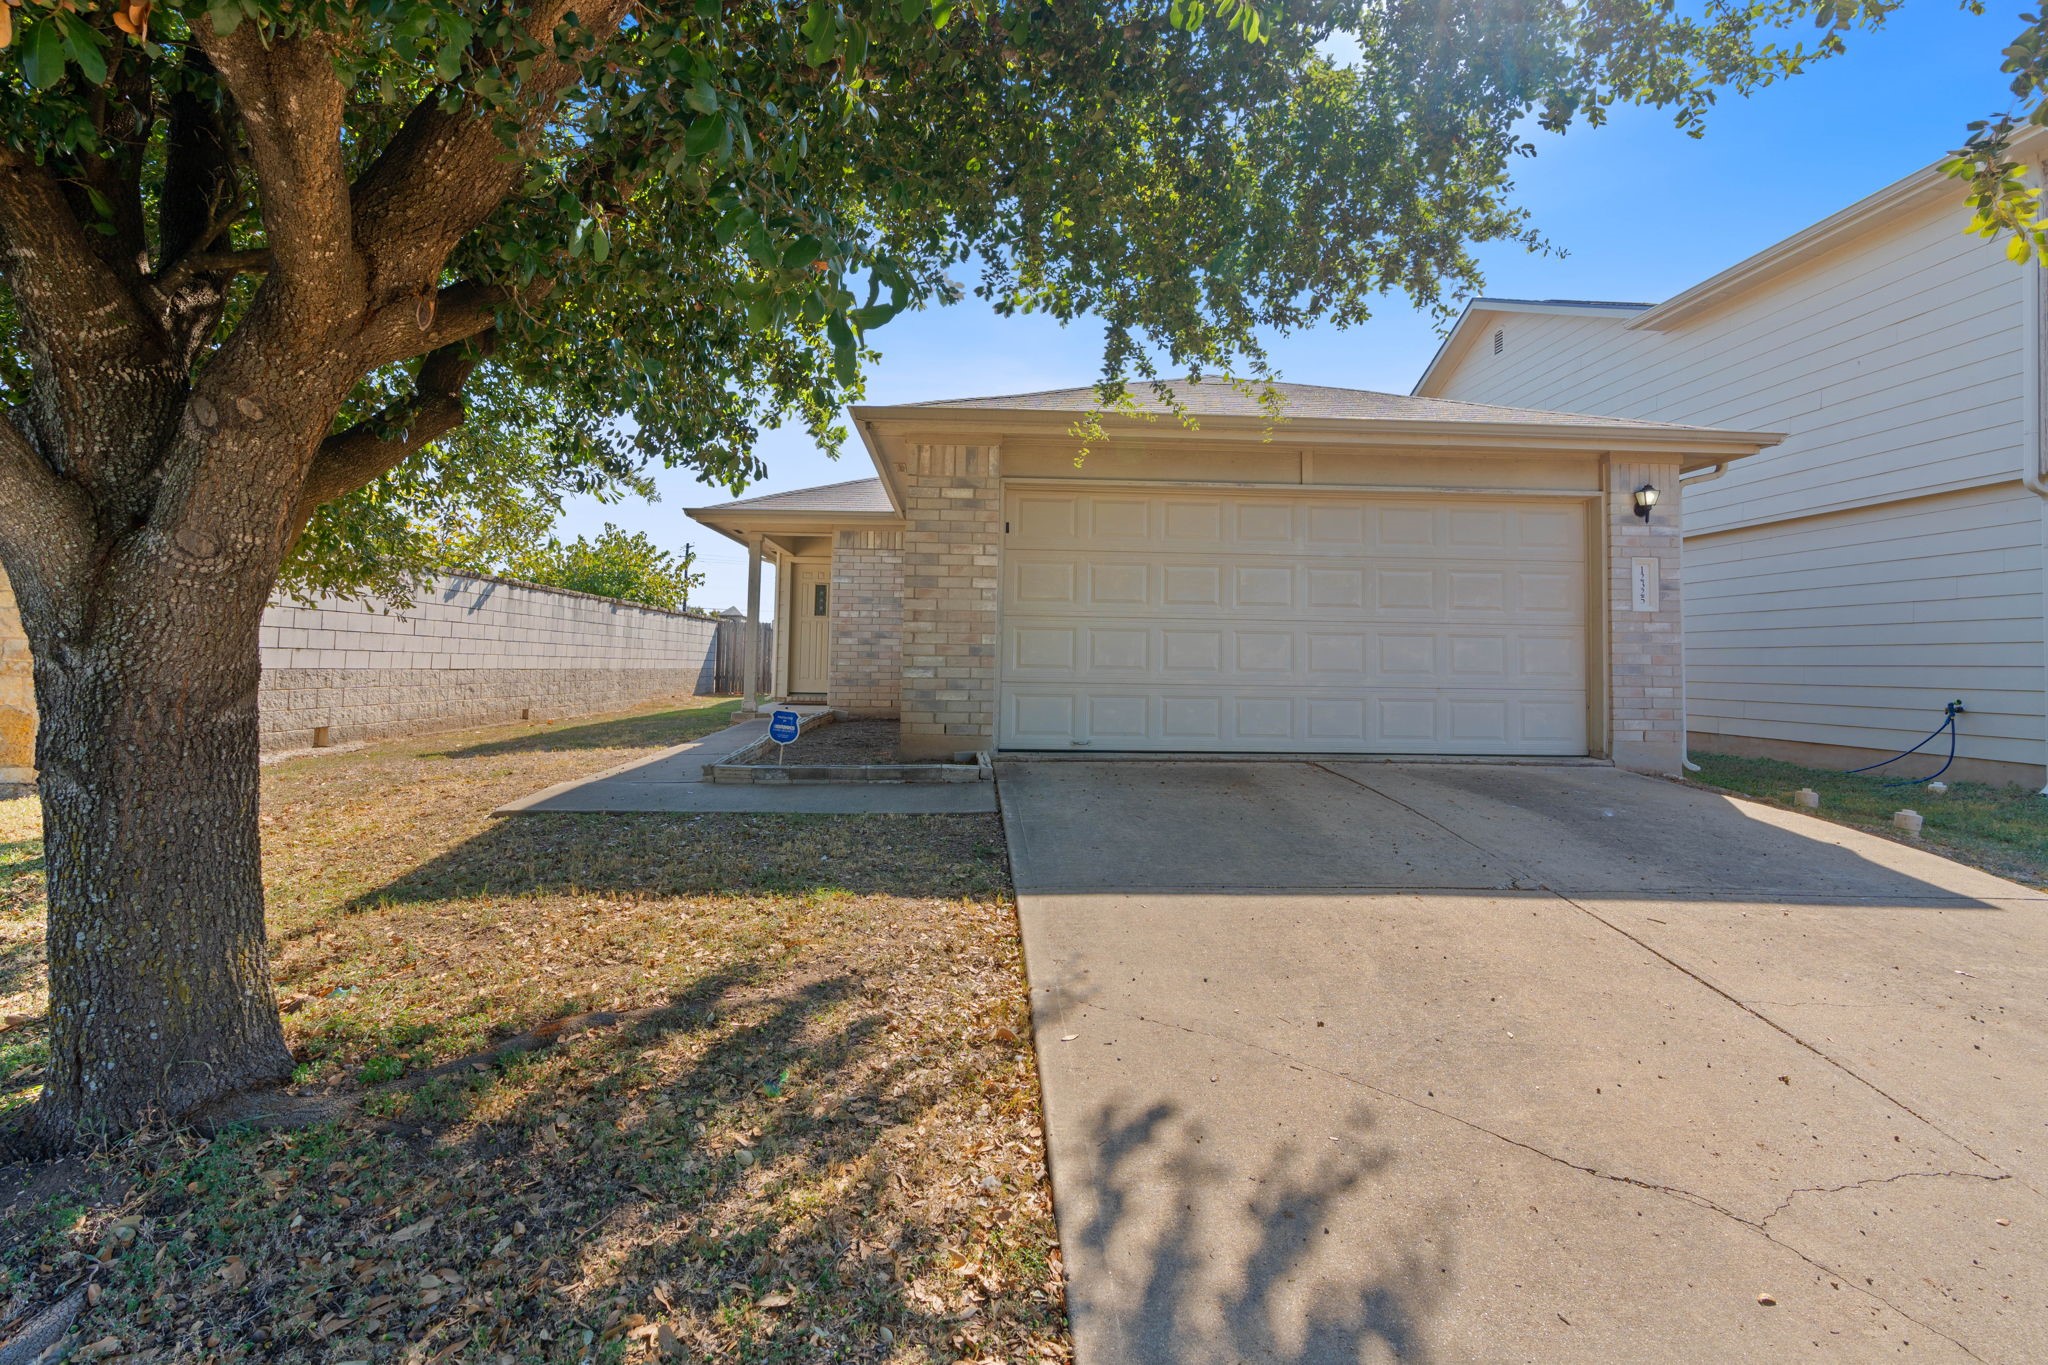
1117	652
1280	623
1041	583
1292	722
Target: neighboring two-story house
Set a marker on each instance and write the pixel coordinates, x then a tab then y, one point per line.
1888	557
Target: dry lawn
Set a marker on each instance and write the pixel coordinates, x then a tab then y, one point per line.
817	1139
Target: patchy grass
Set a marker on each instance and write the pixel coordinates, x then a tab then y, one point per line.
816	1139
2000	829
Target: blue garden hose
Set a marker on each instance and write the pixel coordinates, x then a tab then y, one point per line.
1948	723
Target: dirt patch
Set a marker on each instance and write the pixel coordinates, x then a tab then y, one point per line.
846	741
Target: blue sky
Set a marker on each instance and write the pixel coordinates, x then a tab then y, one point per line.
1639	210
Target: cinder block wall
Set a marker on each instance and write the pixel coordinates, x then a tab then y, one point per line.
17	696
867	622
1648	672
472	651
953	504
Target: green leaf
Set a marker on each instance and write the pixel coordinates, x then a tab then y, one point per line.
845	356
731	224
942	13
42	56
701	97
800	253
83	46
457	34
704	136
225	17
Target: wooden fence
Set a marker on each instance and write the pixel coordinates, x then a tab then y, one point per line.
729	656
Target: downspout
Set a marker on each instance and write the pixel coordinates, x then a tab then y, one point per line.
2031	452
1684	710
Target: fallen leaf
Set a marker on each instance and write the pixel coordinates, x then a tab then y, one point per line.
1069	1037
667	1341
1767	1301
776	1300
412	1233
235	1271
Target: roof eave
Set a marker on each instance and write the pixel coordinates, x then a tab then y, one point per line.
1545	436
735	523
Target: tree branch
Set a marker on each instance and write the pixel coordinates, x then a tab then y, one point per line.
82	327
255	261
363	453
45	519
416	326
446	169
80	313
291	104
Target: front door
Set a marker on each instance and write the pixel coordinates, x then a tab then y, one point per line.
810	635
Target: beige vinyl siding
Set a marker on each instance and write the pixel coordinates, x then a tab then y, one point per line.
1884	559
1895	363
1856	628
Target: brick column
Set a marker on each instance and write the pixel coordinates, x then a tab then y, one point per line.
1645	701
951	546
17	696
867	622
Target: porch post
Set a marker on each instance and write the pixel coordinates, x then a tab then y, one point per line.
750	648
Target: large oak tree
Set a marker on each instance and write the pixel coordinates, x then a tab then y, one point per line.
262	257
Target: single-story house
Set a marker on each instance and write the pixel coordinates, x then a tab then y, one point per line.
1371	574
1891	556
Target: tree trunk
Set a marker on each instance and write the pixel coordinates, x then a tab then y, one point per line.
160	991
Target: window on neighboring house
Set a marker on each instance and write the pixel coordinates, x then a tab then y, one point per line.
1500	339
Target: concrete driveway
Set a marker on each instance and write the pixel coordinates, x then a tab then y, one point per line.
1361	1061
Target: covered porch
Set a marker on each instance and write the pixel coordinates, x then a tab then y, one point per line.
837	595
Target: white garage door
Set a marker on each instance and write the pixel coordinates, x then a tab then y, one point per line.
1236	622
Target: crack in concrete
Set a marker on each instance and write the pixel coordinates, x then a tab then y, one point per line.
1786	1202
1692	1197
1743	1005
1756	1225
1836	1063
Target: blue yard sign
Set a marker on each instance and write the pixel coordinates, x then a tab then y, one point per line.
783	726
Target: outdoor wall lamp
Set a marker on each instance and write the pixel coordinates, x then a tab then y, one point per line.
1646	498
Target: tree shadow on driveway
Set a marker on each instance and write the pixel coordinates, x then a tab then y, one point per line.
1182	1257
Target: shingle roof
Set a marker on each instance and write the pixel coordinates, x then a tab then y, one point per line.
1214	399
855	495
1483	300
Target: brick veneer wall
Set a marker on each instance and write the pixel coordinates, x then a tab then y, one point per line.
470	651
953	504
867	622
17	696
1647	681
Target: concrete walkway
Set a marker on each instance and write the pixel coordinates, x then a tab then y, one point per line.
673	781
1357	1061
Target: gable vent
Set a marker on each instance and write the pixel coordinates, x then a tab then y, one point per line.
1500	338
